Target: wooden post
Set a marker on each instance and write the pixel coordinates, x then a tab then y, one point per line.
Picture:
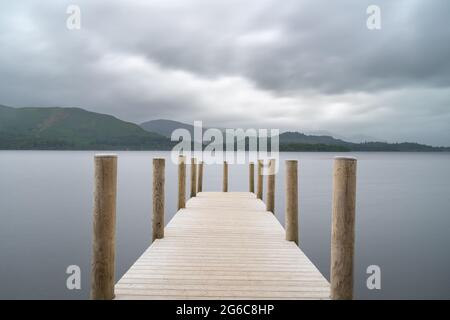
343	228
158	199
270	205
251	177
193	177
225	177
291	213
181	182
259	191
104	227
200	177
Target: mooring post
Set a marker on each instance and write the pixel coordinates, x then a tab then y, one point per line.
200	177
104	227
181	182
193	177
291	213
259	191
158	199
343	228
270	205
225	177
251	177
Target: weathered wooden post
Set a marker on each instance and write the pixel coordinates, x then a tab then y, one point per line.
181	182
158	199
225	177
270	205
251	177
291	213
200	177
104	227
259	191
193	177
343	228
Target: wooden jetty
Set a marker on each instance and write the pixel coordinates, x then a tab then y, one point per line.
223	245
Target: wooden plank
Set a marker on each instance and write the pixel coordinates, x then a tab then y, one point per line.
175	297
235	276
287	284
223	246
222	293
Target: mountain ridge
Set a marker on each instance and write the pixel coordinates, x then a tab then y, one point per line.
74	128
71	128
297	141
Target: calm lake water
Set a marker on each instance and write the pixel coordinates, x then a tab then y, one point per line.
403	218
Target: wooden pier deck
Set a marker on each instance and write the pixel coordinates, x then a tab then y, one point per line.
223	245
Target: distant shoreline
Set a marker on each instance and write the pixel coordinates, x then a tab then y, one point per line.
284	151
77	129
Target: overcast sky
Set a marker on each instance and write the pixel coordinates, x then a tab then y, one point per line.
291	64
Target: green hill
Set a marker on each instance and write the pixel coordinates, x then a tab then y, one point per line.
295	141
78	129
166	127
301	138
72	128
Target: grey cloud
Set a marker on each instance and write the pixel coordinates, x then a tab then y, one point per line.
324	47
313	52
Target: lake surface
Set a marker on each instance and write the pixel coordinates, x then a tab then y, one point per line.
402	224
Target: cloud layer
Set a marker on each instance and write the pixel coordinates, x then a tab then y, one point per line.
293	64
